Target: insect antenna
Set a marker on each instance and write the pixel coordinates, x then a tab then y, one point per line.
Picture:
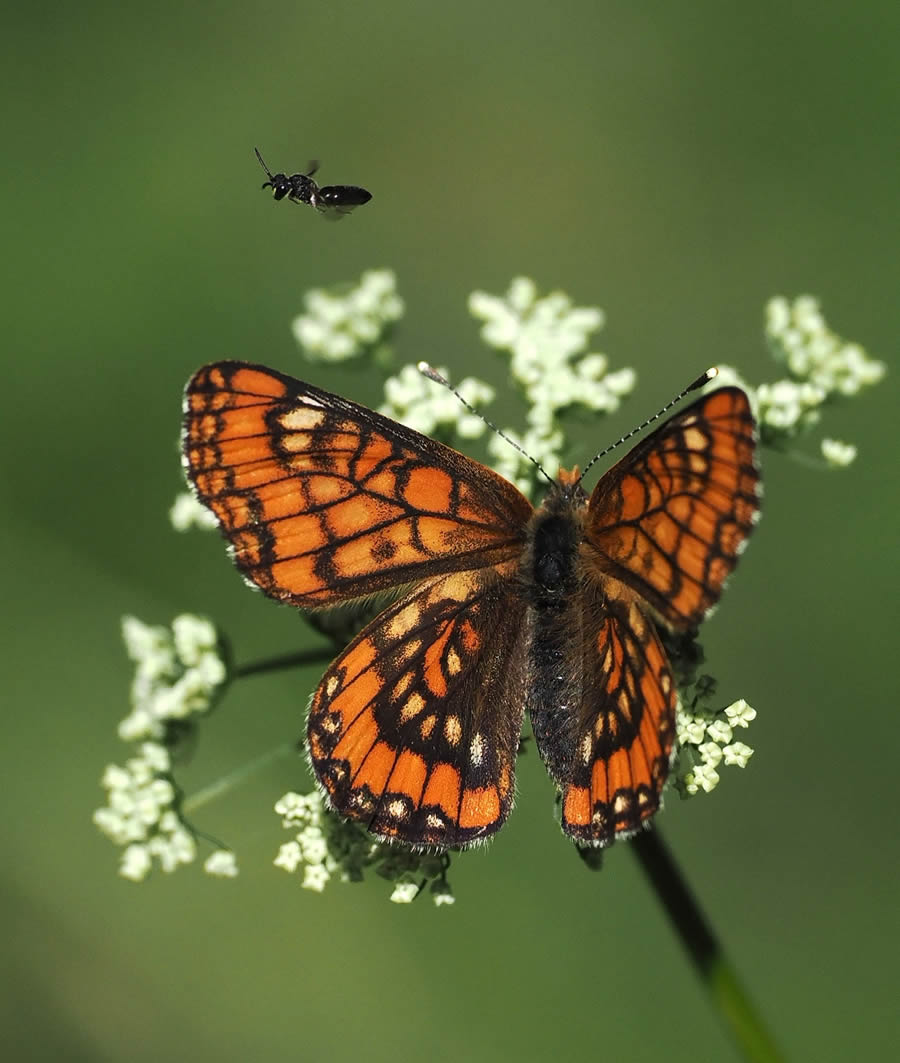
432	374
268	183
704	378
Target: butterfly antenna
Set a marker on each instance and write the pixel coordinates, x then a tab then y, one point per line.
704	378
266	168
432	374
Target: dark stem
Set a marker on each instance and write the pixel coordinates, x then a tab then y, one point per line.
714	968
286	660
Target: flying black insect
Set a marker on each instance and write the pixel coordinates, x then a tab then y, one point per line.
331	201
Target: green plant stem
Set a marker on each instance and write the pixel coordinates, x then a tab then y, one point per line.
234	778
728	996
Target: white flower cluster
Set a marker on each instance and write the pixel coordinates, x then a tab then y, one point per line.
343	323
705	741
141	816
432	409
324	845
177	674
838	454
303	813
820	366
547	340
188	512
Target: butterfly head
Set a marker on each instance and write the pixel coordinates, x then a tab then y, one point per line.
566	488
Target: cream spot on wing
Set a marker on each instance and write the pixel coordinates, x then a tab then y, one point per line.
406	620
301	417
476	750
454	664
694	439
427	726
414	705
587	748
402	685
407	650
332	685
297	442
452	730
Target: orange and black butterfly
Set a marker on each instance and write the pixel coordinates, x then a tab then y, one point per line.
415	728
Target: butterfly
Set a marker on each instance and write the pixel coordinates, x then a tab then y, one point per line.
498	607
331	201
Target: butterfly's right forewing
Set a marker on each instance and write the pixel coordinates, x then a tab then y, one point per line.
671	518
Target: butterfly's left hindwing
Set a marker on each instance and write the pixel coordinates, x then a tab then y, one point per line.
414	729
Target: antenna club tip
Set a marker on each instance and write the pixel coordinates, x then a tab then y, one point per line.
704	378
432	374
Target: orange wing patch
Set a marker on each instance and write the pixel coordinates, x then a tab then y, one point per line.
672	517
322	500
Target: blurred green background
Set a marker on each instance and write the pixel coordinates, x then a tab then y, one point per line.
676	164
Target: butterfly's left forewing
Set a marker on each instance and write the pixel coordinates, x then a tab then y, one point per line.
322	500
